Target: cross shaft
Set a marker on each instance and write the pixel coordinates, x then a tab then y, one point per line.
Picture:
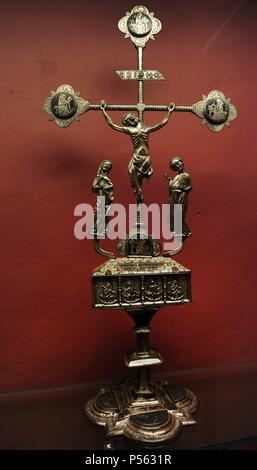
141	107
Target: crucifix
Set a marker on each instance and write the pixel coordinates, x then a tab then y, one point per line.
65	106
141	280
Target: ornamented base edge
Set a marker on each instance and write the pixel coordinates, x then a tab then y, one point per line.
149	420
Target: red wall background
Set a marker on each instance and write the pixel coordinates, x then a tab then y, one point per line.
49	333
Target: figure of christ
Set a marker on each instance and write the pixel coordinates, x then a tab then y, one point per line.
140	165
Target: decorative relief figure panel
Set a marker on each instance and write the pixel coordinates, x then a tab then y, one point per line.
153	289
174	291
108	292
131	290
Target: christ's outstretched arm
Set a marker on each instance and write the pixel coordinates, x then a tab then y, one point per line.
165	120
109	120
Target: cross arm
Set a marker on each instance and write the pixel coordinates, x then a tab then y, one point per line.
109	120
138	107
65	106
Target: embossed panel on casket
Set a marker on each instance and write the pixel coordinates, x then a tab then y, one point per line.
123	282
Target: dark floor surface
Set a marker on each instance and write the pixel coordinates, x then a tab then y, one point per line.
53	419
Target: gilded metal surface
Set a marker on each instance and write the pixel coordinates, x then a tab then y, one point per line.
136	107
151	429
140	165
134	358
174	291
140	75
153	420
216	110
142	281
160	291
145	265
179	188
130	290
102	186
153	289
139	247
108	293
139	25
100	250
189	405
65	105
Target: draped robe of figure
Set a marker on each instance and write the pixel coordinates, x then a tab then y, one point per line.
103	186
179	188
